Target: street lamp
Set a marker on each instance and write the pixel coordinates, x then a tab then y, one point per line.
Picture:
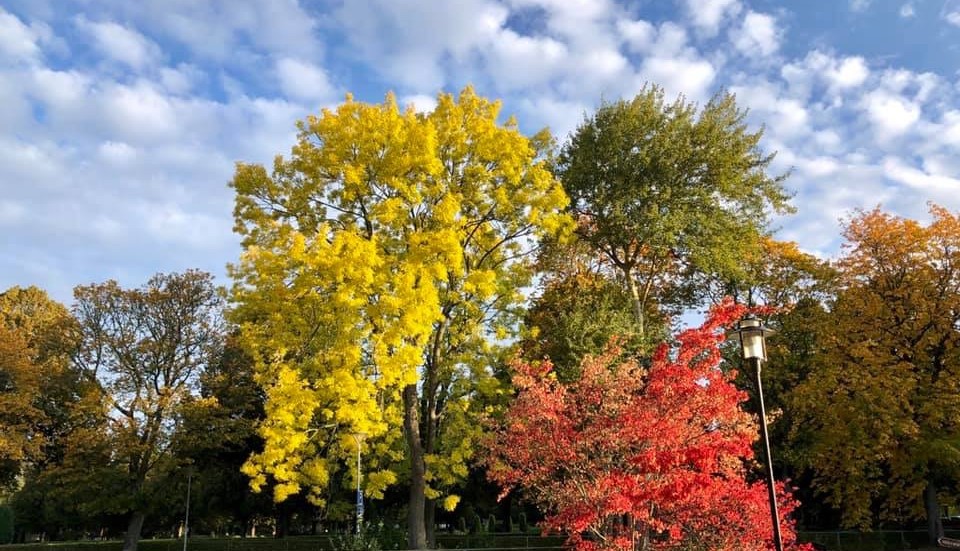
186	517
359	436
751	334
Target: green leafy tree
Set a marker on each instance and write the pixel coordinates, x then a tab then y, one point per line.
578	310
382	262
664	192
216	436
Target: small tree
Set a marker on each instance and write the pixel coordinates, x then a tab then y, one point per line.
626	457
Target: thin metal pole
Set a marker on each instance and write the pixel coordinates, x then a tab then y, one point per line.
771	489
186	518
359	495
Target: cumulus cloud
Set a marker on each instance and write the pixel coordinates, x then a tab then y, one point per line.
929	184
127	147
422	103
839	75
708	15
859	5
638	35
303	80
518	61
119	43
224	30
758	35
20	42
407	43
674	64
785	118
907	11
890	114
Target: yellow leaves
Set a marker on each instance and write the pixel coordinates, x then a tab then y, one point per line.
482	283
378	481
315	472
450	502
380	222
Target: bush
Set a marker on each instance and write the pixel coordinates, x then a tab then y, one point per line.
373	537
6	524
476	526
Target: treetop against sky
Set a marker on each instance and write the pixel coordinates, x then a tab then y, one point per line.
122	121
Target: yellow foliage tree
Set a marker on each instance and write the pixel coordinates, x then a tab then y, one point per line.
34	353
879	416
382	262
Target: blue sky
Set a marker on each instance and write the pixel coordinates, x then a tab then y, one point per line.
121	121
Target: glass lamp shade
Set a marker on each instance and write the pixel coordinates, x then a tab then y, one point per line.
752	336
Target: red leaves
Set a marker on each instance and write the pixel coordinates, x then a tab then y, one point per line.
624	453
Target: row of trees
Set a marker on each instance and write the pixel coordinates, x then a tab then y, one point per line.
382	291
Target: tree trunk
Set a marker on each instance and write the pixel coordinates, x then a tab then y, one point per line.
932	506
637	301
416	532
132	536
430	522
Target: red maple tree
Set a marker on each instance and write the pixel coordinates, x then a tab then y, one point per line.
633	458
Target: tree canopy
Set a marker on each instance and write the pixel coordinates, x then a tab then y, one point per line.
628	458
879	416
665	191
382	262
147	348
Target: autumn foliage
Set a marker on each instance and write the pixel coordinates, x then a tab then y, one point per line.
628	457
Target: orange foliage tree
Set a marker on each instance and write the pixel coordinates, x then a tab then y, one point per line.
627	457
878	420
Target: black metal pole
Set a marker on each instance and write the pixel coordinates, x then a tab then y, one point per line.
186	518
771	489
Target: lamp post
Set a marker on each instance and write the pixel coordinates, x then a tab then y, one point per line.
359	436
186	516
751	334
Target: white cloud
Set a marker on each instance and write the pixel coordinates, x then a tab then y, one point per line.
953	18
421	103
518	62
12	213
228	31
757	36
860	5
409	43
129	168
691	77
785	118
181	79
120	43
890	114
638	35
303	80
839	75
676	66
562	116
577	21
907	11
708	15
19	42
932	184
117	153
850	73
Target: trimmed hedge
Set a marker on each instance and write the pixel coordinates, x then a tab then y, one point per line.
293	543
